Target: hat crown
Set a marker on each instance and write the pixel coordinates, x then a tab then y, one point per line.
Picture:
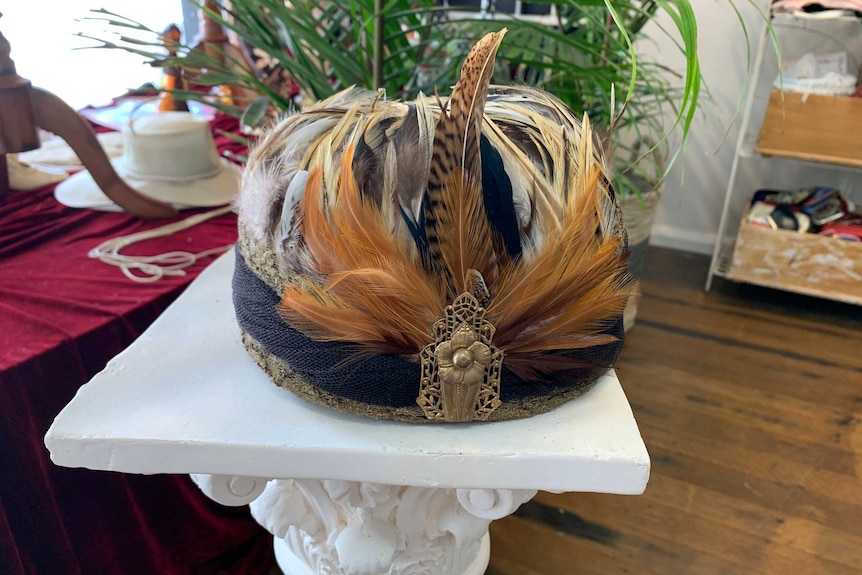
436	260
170	145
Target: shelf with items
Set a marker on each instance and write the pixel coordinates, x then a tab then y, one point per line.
784	259
818	128
793	141
780	173
810	264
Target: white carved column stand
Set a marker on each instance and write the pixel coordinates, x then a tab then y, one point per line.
205	408
336	527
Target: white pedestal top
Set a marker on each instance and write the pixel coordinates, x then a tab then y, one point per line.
186	398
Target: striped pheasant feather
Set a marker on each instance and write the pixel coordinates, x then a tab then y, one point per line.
458	235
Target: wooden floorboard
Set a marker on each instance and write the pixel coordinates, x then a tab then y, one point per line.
749	401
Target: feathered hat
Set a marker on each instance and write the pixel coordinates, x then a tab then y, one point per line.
438	260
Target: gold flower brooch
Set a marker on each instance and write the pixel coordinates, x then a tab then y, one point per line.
461	369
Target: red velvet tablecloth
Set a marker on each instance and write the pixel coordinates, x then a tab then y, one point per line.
62	317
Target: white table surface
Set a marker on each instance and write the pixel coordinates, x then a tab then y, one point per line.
186	398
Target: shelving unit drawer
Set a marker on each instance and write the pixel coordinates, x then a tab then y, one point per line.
811	264
819	128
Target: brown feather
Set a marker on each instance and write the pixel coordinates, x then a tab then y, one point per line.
456	148
539	366
571	292
376	293
465	235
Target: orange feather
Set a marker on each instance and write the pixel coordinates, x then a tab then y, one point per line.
376	293
570	292
466	238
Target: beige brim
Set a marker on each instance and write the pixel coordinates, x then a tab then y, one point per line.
81	191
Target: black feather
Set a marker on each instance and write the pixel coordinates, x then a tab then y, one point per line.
368	170
417	231
497	196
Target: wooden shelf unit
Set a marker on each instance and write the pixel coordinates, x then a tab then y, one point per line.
787	141
818	128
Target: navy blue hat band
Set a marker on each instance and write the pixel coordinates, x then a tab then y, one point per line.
381	380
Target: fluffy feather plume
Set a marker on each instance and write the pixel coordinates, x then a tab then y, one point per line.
389	213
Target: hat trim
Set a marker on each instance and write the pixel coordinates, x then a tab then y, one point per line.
282	374
132	174
381	386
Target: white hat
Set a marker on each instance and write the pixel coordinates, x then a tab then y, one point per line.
169	157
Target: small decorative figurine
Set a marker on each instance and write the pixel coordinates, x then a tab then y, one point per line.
172	76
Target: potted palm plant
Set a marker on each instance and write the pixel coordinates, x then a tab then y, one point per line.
586	57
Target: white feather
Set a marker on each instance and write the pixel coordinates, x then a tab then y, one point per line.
261	185
427	122
290	208
390	180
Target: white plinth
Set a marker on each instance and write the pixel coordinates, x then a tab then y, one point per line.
186	398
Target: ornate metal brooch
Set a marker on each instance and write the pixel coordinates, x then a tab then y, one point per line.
461	369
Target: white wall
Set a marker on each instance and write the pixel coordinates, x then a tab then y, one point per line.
41	34
689	212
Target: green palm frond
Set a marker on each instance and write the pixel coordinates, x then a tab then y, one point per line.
591	54
589	57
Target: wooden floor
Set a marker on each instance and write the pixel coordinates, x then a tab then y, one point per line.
750	402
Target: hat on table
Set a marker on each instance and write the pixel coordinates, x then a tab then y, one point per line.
400	261
169	157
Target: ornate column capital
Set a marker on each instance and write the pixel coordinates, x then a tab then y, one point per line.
339	527
230	490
